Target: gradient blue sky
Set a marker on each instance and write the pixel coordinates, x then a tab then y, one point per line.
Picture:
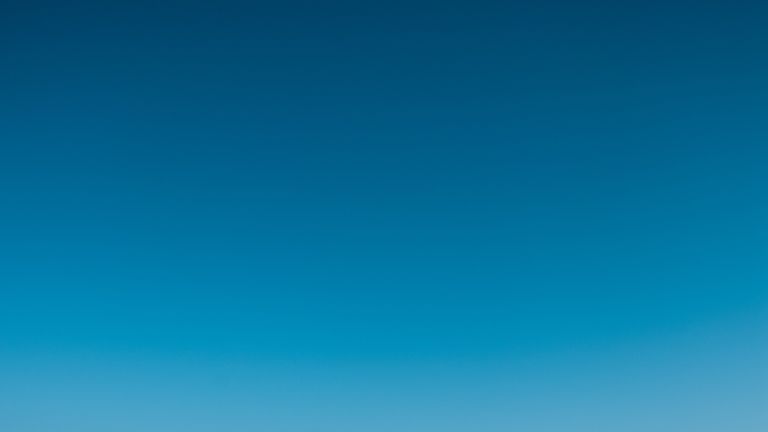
383	216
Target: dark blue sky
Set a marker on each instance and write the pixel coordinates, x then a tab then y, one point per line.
375	186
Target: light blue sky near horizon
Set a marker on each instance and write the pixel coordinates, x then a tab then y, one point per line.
333	216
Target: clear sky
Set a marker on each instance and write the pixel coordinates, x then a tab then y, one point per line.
417	216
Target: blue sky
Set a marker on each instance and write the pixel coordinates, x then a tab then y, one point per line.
421	216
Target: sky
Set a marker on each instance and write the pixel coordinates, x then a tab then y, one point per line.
368	216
